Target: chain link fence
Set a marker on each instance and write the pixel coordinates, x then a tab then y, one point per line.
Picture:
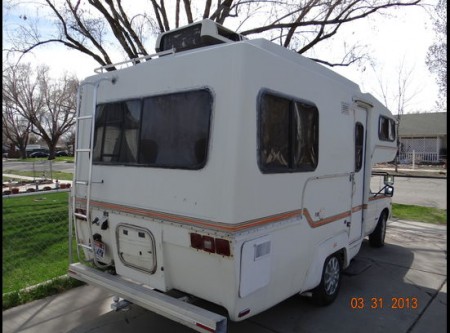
42	169
35	239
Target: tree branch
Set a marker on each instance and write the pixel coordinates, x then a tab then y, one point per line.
187	8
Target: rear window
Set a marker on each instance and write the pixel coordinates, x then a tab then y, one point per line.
165	131
175	130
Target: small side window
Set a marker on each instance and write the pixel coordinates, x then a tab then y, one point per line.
359	146
386	129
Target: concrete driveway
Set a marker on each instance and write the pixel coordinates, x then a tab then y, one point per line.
401	287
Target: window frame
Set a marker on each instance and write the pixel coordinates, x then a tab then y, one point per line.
290	137
138	163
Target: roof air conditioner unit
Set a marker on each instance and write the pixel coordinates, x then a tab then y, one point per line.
195	35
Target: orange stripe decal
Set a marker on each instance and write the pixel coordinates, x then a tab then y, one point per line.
378	197
220	226
321	222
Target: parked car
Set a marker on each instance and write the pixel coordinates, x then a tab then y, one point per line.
39	154
61	153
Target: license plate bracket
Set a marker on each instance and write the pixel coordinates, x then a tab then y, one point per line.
99	250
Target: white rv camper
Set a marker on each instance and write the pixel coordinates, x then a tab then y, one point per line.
231	170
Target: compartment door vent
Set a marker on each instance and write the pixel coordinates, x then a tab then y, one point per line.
262	250
255	265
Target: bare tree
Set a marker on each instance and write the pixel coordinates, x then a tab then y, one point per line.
47	104
16	129
90	26
437	53
58	116
398	98
20	97
69	141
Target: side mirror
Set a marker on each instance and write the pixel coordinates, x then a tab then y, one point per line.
388	191
388	180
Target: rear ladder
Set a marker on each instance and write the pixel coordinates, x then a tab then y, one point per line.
86	183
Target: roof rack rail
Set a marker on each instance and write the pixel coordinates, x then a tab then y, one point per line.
133	61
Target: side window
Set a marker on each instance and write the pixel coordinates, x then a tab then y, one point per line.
274	135
386	129
359	146
288	135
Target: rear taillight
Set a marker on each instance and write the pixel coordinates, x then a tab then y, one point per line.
223	247
196	241
210	244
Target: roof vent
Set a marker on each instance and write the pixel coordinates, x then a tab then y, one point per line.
195	35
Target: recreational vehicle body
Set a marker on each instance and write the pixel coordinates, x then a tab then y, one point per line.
231	170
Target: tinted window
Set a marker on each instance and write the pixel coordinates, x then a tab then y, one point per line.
386	129
288	134
169	131
359	146
175	130
117	132
274	144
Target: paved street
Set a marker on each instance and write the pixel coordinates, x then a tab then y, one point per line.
38	165
407	279
428	192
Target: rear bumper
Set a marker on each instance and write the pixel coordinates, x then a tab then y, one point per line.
187	314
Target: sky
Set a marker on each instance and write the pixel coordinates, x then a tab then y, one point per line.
394	41
402	37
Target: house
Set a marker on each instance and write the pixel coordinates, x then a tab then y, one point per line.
425	136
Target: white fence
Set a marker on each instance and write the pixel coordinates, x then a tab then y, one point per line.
421	150
422	157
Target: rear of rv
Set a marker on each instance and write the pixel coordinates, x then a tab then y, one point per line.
170	194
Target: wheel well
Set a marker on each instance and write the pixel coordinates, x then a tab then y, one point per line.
341	255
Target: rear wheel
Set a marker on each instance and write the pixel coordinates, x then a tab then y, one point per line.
326	292
377	237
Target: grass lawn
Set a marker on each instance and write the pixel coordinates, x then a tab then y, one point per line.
419	213
35	239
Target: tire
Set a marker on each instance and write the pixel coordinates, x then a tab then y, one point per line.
377	237
326	292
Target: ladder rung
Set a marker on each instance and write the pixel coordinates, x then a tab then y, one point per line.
85	246
84	117
80	216
83	150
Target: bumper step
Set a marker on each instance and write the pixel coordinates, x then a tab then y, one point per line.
187	314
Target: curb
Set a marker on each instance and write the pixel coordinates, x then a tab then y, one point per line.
35	193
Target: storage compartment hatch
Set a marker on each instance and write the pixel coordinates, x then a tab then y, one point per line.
136	247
